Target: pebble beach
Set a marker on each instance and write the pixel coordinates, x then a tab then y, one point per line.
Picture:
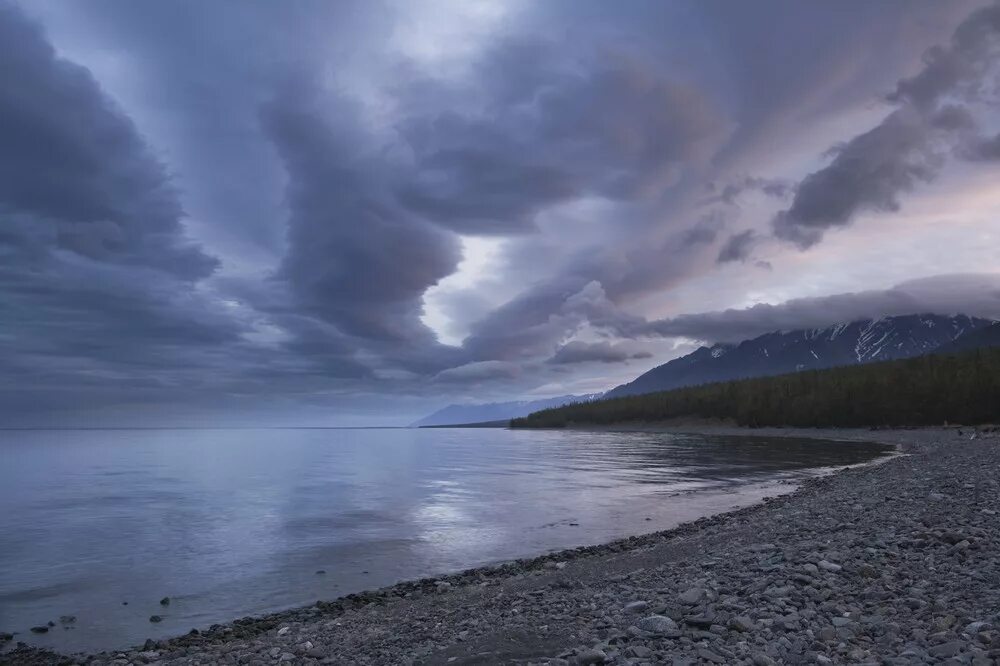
895	562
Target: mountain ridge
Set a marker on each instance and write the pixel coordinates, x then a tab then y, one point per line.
783	351
775	353
460	414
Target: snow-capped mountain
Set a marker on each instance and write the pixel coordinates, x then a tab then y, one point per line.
495	411
789	351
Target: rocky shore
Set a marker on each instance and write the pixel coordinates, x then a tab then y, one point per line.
892	563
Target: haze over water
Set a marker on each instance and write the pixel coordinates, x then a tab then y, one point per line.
229	523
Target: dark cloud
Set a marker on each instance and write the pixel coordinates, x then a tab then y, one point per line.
770	187
971	294
738	247
77	166
550	129
706	230
205	68
869	172
597	352
983	149
480	371
958	67
97	278
332	202
355	259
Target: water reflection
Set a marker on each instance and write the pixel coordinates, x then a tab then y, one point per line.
229	523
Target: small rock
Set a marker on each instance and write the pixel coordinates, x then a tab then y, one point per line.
976	627
40	629
708	655
636	606
591	657
284	630
949	649
763	660
640	651
165	601
442	587
692	596
155	618
67	619
867	571
829	566
656	624
742	623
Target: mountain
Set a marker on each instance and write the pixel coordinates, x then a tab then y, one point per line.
495	411
883	339
986	336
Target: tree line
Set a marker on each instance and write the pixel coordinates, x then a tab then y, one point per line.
926	390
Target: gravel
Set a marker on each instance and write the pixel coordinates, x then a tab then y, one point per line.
890	563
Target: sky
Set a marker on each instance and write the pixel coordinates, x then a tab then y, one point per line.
353	213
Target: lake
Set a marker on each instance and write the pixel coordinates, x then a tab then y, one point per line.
229	523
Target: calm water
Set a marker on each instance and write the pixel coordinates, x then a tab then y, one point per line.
230	523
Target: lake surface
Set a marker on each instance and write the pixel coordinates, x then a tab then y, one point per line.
229	523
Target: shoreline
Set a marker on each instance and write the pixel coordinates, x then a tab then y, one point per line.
297	635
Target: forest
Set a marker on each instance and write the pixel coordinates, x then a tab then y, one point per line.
926	390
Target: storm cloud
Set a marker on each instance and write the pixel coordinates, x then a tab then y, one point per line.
98	278
550	129
596	352
738	247
872	170
323	205
971	294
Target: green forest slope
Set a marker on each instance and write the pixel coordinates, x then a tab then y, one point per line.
927	390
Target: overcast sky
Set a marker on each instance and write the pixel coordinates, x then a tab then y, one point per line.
340	213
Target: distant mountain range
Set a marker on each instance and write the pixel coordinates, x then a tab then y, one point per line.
495	411
865	341
790	351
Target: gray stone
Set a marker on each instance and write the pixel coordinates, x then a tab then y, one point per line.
591	656
640	651
636	606
692	596
708	655
656	624
949	649
976	627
